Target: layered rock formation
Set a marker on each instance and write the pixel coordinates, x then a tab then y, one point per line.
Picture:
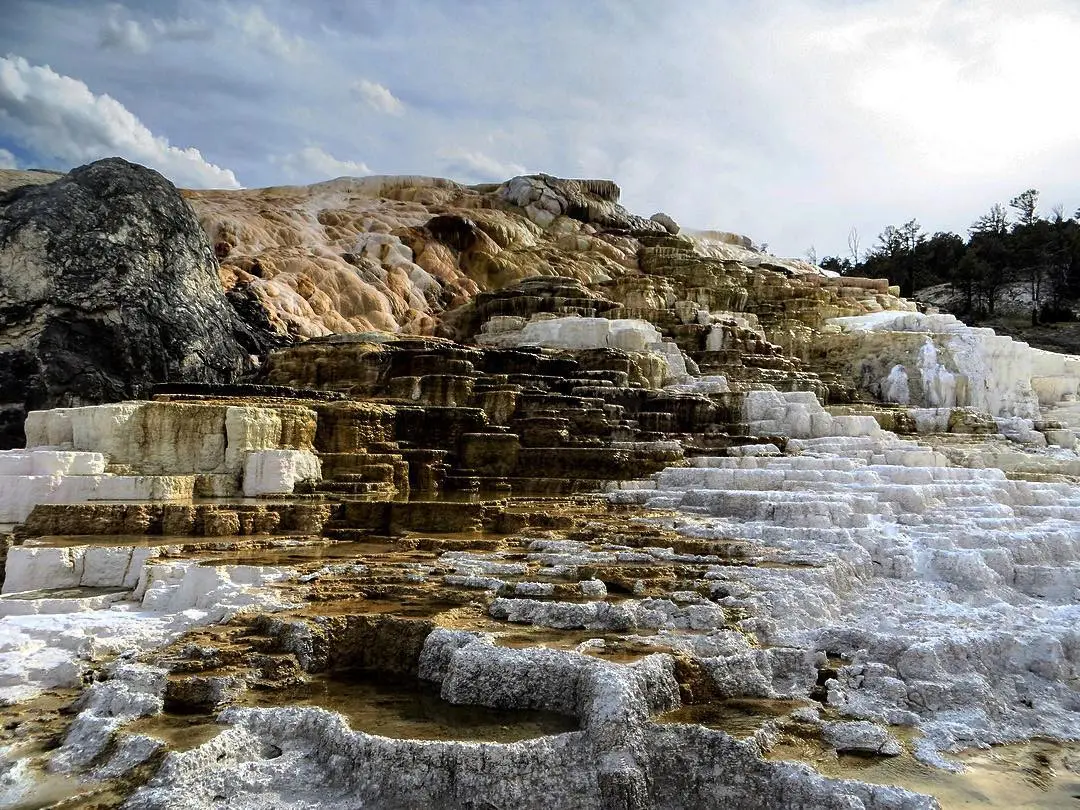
834	527
354	255
109	285
395	253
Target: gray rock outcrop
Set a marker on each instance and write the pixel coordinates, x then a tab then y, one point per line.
543	198
107	286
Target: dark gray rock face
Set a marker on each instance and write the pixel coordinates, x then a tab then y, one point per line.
107	287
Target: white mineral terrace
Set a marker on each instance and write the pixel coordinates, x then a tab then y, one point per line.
936	361
166	453
951	593
575	332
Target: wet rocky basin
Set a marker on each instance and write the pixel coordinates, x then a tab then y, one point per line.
739	717
1034	775
400	708
412	709
1038	773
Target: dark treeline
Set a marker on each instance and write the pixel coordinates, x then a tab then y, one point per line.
1004	247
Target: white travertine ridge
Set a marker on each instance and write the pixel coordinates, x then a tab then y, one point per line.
576	332
31	568
277	472
571	333
160	437
952	594
167	451
28	478
936	361
799	414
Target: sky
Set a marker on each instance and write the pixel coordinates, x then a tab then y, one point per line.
791	121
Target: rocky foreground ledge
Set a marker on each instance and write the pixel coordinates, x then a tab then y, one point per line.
636	533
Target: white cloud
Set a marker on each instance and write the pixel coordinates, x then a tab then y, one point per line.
926	108
7	160
60	118
313	163
182	29
468	164
795	120
264	33
966	110
122	32
378	98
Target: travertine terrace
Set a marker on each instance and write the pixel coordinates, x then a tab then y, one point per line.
543	504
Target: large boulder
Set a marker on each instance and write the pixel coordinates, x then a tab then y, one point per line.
107	286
